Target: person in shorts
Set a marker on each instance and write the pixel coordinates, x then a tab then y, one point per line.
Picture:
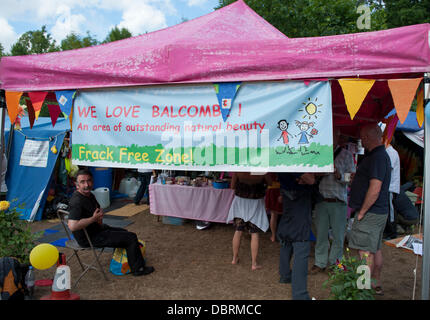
248	211
369	198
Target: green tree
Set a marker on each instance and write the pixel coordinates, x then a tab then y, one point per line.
312	18
32	42
117	34
407	12
2	53
74	41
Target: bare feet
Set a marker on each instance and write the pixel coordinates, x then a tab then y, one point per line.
256	267
235	261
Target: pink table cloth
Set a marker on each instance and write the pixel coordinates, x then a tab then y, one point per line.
196	203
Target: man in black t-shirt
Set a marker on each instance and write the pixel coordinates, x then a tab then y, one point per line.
85	212
369	197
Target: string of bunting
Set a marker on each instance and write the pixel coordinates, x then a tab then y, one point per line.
355	90
402	91
34	105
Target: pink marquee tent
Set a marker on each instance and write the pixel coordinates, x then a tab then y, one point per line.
229	44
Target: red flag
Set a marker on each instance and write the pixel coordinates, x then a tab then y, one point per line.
54	112
31	113
37	98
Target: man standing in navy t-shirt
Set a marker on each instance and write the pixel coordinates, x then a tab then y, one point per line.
369	197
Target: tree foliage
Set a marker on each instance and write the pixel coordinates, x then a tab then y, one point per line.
74	41
2	53
311	18
32	42
117	34
407	12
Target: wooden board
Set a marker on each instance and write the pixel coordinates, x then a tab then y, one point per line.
128	210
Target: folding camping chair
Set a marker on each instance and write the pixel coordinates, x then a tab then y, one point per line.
73	244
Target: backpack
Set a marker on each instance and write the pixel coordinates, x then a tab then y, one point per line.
12	279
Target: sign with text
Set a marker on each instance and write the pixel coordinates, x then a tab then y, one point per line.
279	126
34	153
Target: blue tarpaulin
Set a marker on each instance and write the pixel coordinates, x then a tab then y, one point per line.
28	185
410	124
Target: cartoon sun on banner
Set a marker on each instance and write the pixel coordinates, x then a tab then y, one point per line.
311	108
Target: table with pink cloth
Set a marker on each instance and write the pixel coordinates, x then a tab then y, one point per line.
195	203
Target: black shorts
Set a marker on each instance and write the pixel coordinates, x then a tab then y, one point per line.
241	225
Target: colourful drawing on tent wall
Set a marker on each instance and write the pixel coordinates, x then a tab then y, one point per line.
282	126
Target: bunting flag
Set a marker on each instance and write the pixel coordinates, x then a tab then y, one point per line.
54	112
65	100
31	113
403	93
390	128
420	107
226	92
71	118
12	102
355	91
37	98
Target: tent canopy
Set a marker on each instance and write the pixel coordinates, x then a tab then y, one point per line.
229	44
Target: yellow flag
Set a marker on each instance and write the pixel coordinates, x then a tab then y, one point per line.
403	93
12	102
420	107
355	91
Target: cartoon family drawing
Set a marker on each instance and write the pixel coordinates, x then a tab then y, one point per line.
304	127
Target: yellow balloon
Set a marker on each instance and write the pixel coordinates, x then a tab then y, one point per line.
43	256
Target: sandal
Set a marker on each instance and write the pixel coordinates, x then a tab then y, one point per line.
379	291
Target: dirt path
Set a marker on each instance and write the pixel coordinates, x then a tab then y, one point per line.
193	264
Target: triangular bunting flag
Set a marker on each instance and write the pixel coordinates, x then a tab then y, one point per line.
31	113
37	99
403	93
54	112
12	102
65	100
390	128
355	91
420	107
226	92
71	118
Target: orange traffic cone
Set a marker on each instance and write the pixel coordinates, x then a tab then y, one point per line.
60	289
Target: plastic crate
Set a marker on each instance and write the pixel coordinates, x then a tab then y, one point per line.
173	221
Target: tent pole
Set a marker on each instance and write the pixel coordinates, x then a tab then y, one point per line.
3	114
425	280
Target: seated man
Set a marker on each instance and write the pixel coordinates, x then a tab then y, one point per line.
85	212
